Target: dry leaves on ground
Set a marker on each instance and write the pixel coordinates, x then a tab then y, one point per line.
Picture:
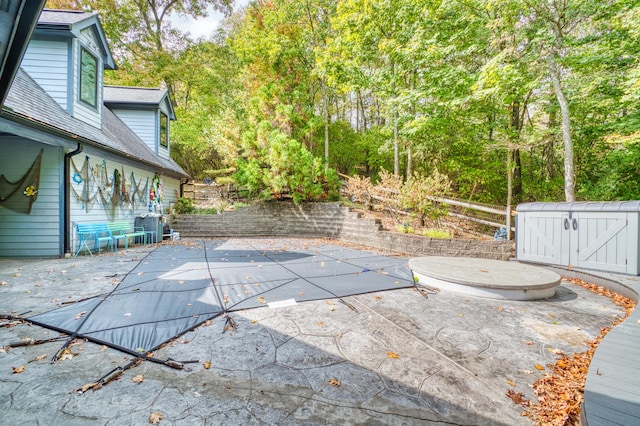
560	392
335	382
155	418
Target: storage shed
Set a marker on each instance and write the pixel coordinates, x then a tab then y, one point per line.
591	235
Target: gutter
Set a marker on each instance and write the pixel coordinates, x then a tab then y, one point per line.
67	198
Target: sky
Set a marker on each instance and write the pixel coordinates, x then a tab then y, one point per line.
203	27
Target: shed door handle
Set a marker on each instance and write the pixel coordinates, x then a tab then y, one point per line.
574	224
566	223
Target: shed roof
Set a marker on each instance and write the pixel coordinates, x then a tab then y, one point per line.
584	206
27	102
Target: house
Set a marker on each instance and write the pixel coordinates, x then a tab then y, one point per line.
73	150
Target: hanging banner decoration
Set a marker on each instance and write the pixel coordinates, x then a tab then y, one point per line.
19	196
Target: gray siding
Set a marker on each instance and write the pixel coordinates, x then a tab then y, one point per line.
36	234
143	123
47	62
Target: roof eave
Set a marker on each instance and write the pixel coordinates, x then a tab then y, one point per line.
39	125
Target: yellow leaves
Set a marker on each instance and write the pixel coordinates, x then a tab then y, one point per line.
66	354
320	324
39	358
539	367
206	365
393	355
18	370
138	379
261	300
335	382
510	383
377	297
88	386
155	418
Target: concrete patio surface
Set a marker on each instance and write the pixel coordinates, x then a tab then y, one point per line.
402	357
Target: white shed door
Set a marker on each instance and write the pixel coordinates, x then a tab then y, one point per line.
600	241
546	237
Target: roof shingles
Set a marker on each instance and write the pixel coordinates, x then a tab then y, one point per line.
27	100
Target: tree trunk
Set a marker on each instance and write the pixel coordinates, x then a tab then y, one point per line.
326	126
569	170
516	163
509	191
396	150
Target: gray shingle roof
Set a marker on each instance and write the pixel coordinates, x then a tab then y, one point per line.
138	95
28	101
63	17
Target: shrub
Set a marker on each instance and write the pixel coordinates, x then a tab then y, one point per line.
184	206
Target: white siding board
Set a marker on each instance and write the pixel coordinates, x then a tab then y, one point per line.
143	124
47	62
163	153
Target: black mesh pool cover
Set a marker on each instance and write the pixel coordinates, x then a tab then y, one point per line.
178	287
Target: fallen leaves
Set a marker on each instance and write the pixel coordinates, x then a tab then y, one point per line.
139	378
539	367
518	398
393	355
206	365
561	391
88	386
18	370
335	382
80	315
66	354
155	418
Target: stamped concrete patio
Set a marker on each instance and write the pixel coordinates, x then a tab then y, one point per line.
401	357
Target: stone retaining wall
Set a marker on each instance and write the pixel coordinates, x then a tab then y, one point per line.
330	220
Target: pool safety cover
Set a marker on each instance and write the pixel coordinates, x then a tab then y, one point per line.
178	287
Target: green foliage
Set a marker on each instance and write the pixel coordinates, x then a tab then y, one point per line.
184	206
437	233
457	85
405	229
286	168
208	210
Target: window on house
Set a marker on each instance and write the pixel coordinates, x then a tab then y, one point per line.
88	77
164	130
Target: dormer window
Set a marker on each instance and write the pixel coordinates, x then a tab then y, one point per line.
88	77
164	134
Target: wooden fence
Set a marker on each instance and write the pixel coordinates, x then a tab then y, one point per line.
495	216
